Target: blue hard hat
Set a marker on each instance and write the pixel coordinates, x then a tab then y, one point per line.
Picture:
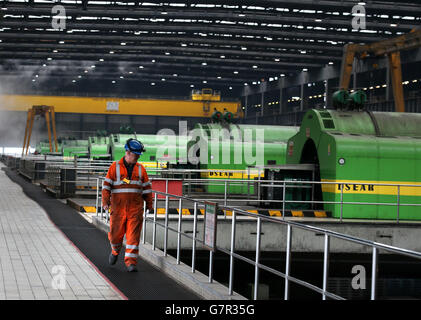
134	146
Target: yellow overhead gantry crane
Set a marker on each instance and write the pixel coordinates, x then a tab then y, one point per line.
391	48
43	111
207	95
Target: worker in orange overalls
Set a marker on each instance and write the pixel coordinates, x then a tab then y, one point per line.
127	184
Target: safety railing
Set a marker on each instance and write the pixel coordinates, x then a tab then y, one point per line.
284	185
87	171
291	225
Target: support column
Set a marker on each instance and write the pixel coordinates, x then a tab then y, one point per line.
388	84
281	96
107	120
246	106
81	120
329	84
303	91
302	95
354	74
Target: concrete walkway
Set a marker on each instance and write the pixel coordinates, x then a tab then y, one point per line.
37	261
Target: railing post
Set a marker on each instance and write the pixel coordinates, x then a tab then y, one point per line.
210	266
231	275
326	265
155	209
342	201
97	196
225	199
248	183
399	195
374	273
288	261
166	226
258	186
193	262
144	223
256	269
283	200
180	213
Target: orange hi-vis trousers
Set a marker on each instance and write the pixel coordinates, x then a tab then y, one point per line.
126	196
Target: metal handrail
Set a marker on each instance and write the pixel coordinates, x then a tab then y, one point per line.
328	234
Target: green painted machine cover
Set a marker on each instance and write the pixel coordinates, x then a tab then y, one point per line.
358	150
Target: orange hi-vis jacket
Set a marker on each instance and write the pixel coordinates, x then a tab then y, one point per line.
126	195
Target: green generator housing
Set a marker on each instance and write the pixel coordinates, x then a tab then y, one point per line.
98	148
359	149
72	148
235	152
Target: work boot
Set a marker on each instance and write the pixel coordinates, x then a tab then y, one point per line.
132	268
112	259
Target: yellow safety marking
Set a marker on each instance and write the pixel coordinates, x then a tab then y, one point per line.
253	211
158	107
184	211
368	187
160	211
275	213
297	213
320	214
154	165
90	209
231	174
228	212
202	211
